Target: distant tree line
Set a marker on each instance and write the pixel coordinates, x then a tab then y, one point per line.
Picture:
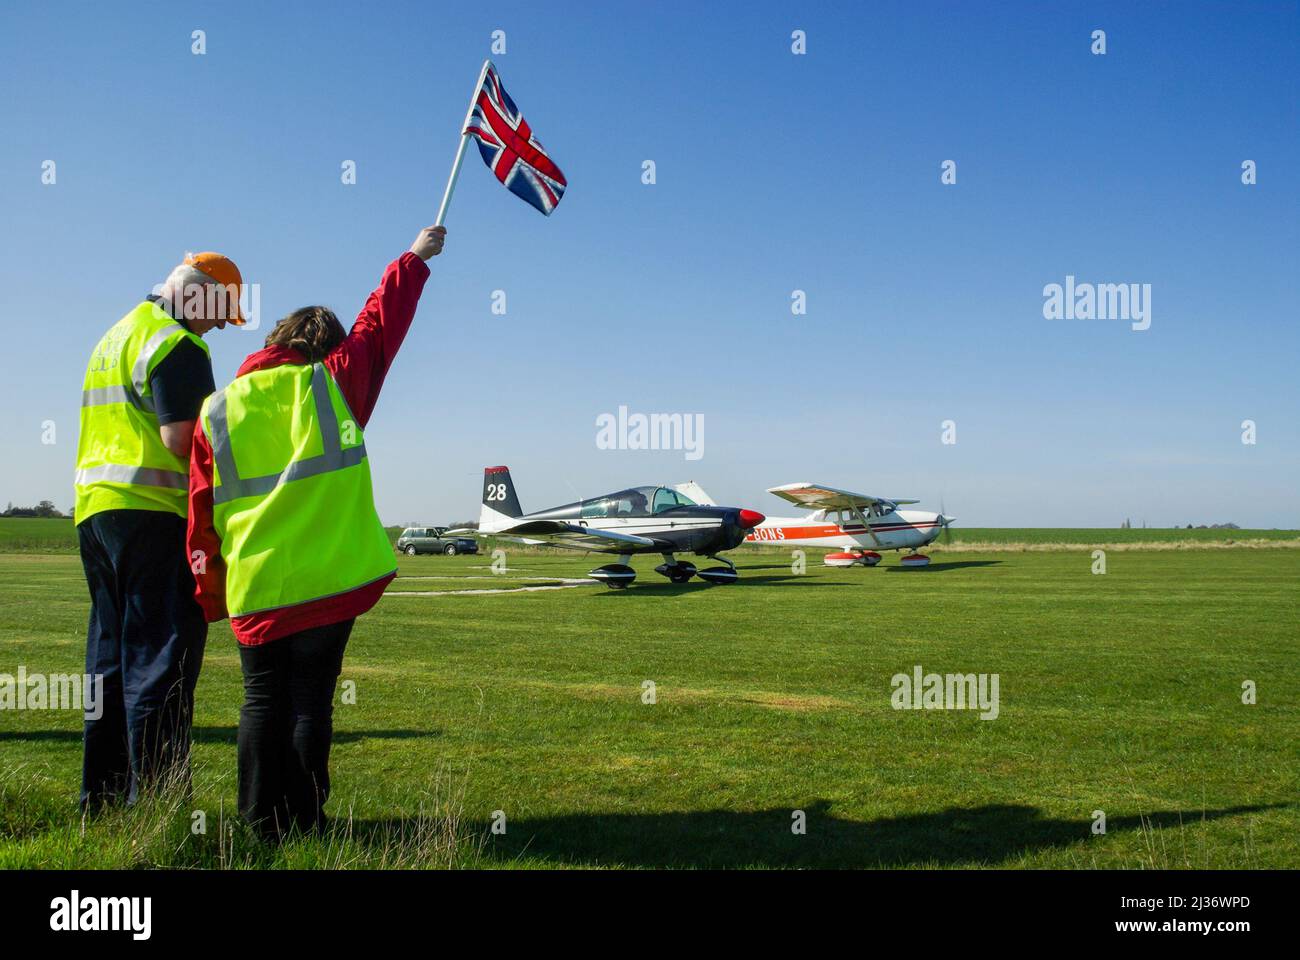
1128	525
45	508
454	525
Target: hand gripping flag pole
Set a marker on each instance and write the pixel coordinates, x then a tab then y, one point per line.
464	142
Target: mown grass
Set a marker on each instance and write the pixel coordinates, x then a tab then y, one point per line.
39	535
1050	537
1119	693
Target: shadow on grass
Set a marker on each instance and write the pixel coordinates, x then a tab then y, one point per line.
667	588
943	565
229	735
794	576
883	565
988	835
222	735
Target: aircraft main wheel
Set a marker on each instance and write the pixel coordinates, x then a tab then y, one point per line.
849	558
719	575
616	575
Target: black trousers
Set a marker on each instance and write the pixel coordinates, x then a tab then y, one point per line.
146	639
286	726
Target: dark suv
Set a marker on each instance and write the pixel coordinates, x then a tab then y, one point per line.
434	540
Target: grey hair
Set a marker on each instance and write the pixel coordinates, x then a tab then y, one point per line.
180	285
183	277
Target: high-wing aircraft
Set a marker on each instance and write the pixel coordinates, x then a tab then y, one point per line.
858	524
653	519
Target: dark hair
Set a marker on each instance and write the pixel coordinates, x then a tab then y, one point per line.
312	331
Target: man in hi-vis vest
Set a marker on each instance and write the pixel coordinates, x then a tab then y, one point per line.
284	533
140	399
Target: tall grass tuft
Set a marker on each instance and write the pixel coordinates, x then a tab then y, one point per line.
169	828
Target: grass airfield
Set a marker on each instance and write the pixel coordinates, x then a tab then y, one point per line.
524	710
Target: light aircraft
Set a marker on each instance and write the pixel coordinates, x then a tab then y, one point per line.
654	519
858	524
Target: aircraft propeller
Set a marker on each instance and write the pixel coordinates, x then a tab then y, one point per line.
945	520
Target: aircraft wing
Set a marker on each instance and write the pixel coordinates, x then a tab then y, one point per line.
563	534
817	496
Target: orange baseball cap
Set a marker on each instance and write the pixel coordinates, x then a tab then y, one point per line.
223	270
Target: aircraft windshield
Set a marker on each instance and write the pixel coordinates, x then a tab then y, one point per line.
666	498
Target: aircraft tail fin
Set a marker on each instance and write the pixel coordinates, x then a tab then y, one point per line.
500	503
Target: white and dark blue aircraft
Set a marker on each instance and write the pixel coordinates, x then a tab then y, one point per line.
654	519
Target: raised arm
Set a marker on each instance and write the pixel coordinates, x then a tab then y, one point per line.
361	361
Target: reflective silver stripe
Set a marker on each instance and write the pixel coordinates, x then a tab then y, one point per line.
230	486
139	476
298	470
102	396
99	396
140	372
221	454
331	444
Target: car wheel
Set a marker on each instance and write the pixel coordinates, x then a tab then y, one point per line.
450	550
410	550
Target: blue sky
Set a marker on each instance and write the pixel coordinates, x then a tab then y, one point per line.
775	172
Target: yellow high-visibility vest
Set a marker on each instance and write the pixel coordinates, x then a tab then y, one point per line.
292	499
122	463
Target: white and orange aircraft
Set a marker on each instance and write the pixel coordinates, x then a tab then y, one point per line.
859	525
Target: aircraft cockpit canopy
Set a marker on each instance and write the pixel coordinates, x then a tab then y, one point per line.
666	498
848	516
634	502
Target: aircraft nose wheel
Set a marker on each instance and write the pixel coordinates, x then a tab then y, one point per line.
679	571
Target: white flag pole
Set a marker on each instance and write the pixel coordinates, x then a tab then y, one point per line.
460	150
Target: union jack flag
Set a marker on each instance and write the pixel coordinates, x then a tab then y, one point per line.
510	149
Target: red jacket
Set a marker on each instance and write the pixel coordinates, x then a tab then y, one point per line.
359	365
